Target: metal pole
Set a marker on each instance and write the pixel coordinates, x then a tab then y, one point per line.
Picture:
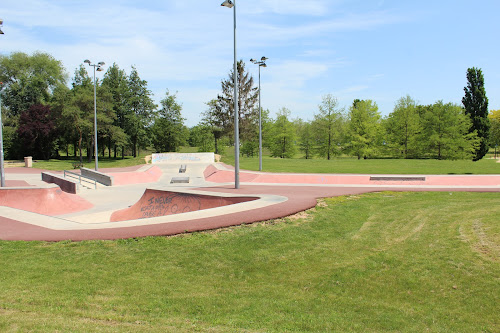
95	124
2	172
260	129
236	113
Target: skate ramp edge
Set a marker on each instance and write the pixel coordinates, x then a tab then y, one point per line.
50	200
156	203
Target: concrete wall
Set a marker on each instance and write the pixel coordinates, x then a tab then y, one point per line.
183	158
67	185
98	176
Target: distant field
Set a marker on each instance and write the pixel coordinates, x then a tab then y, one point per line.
300	165
369	166
382	262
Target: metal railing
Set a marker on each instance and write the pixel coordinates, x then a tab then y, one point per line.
81	178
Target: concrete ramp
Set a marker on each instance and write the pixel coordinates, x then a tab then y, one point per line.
154	203
47	201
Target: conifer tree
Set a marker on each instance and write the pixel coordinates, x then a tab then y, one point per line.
476	106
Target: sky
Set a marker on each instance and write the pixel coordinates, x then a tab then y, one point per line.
367	49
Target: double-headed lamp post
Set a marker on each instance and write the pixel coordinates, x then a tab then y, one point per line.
97	67
232	4
261	63
2	173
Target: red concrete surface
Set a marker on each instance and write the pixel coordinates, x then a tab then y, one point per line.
155	203
48	201
212	174
302	192
17	183
127	176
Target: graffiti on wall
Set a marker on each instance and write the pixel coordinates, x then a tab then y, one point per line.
182	157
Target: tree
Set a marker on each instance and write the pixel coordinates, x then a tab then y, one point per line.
476	106
169	132
37	131
213	118
79	107
494	116
247	98
199	136
283	136
403	128
141	111
445	132
306	138
328	126
364	128
115	83
29	80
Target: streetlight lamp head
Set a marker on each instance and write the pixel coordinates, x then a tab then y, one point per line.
263	65
264	58
228	4
99	69
101	63
253	60
87	61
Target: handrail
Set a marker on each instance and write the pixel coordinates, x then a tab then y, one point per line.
79	176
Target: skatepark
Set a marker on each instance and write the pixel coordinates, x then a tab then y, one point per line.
184	194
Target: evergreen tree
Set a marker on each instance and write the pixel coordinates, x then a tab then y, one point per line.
328	126
247	99
445	132
364	128
141	111
169	132
476	106
306	138
115	82
403	128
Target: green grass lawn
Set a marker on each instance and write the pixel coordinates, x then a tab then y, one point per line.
369	166
104	162
382	262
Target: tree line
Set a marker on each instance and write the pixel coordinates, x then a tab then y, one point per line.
44	116
440	130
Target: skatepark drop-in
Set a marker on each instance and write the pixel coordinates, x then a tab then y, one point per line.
155	203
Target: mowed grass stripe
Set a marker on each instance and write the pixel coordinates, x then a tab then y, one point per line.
376	262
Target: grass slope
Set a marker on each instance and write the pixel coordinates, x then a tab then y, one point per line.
372	263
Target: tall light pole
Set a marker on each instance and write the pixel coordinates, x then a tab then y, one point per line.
232	4
261	63
2	172
97	67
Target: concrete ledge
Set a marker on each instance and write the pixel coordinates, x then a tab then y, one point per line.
66	185
98	176
397	178
183	168
179	180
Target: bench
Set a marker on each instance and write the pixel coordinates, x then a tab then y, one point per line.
178	180
397	178
66	185
77	165
97	176
182	169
